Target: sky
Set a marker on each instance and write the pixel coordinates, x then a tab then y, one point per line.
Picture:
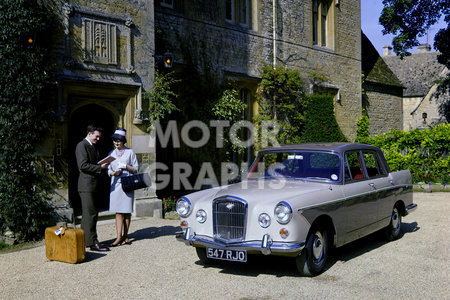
370	13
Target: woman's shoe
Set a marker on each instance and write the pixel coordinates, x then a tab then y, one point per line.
116	244
127	242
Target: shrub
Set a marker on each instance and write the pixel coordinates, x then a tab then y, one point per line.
169	203
424	152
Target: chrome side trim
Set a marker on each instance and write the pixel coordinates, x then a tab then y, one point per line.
410	208
300	210
265	245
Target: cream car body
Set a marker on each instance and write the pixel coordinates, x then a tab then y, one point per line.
298	200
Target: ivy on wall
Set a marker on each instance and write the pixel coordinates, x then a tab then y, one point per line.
24	74
320	121
363	126
161	97
229	107
301	118
280	95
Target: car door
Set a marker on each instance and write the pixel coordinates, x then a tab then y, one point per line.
378	179
360	205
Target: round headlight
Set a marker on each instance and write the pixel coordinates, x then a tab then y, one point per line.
283	212
264	220
183	207
201	216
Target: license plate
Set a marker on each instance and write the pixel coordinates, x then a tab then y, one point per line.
227	254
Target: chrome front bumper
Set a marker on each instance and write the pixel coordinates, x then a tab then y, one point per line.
410	208
266	246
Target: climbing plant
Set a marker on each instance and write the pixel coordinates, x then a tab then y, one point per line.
300	117
320	121
363	126
280	94
229	107
25	69
161	97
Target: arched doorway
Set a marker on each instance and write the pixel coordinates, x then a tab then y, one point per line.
79	120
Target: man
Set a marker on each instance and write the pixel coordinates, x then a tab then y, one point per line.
88	183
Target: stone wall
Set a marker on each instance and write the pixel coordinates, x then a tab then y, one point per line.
133	22
384	108
105	54
414	109
206	40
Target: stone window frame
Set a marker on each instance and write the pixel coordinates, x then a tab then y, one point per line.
323	23
99	41
124	22
233	9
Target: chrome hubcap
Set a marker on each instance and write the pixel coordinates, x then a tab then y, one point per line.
317	246
395	220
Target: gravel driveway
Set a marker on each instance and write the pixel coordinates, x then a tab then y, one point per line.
157	266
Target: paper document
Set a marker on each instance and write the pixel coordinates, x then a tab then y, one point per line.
106	160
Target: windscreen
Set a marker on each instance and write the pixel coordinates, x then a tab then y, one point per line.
308	165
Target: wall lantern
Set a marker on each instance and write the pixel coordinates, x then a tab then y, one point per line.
166	60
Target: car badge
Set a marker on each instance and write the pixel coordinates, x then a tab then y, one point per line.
229	206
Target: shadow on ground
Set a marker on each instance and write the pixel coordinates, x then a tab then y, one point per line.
149	233
285	266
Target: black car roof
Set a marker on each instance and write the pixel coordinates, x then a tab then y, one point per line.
331	147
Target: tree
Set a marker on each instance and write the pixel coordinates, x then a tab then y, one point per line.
410	19
24	74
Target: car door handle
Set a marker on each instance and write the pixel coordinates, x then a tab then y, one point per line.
372	185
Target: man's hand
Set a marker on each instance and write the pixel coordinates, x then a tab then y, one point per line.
104	166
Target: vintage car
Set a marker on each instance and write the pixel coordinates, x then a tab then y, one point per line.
298	200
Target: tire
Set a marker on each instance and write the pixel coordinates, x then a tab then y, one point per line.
394	230
201	253
314	256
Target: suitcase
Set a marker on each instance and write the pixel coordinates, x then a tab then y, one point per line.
65	244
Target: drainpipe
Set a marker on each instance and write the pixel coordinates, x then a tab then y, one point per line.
274	32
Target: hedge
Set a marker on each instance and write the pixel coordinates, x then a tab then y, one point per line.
424	152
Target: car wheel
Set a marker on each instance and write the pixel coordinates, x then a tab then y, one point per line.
393	231
314	256
201	253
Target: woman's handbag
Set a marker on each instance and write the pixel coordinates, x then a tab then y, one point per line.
135	182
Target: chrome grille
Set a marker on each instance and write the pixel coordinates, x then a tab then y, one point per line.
229	215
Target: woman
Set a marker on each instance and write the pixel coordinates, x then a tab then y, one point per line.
121	203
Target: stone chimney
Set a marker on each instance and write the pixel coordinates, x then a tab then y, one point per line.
423	48
387	50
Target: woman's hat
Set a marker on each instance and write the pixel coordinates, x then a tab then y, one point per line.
120	134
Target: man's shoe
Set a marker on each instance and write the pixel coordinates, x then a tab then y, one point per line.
99	247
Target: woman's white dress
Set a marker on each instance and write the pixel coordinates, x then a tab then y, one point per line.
119	201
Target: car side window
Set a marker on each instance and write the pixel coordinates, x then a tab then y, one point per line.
373	165
353	166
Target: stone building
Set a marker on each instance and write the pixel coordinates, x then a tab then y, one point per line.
105	58
107	50
418	73
233	39
383	92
